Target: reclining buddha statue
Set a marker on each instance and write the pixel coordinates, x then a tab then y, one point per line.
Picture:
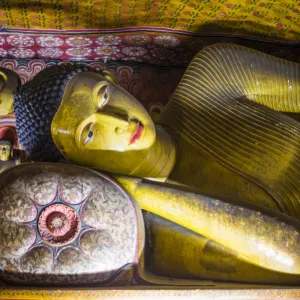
218	171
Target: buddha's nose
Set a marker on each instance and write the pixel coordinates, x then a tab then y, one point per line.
129	129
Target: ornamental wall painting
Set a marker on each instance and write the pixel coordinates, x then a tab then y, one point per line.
164	49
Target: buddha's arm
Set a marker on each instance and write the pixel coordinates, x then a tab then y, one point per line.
213	108
244	73
267	239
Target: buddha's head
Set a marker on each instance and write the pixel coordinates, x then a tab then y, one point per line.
93	121
8	142
35	105
5	150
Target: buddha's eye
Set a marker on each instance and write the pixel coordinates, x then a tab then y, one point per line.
89	134
103	96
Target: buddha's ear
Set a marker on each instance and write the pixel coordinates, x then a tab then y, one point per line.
110	77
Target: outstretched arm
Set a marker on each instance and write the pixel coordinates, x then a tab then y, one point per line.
261	236
225	104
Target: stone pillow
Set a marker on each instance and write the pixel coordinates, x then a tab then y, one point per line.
66	225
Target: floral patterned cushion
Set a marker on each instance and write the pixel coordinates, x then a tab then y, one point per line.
62	224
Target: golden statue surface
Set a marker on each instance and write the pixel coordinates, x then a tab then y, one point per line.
217	174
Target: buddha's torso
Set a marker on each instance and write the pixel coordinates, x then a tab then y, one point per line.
227	104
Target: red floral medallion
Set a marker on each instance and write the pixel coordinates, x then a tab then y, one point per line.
58	224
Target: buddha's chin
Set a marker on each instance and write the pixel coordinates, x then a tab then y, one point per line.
143	140
141	144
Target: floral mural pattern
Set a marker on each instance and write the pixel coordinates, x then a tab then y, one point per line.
164	49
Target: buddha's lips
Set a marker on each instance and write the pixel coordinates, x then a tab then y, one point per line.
137	133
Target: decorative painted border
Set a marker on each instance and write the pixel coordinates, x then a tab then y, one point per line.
159	46
143	292
144	29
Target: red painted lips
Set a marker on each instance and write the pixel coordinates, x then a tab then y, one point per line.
137	133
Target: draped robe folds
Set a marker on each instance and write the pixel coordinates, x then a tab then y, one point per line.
229	104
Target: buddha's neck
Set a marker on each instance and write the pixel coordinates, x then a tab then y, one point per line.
159	160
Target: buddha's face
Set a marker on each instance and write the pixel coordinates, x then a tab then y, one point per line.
5	150
115	121
98	115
